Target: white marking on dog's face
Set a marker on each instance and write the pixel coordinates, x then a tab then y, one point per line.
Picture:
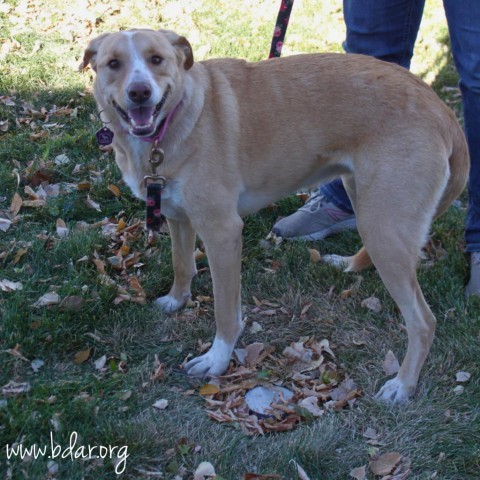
138	79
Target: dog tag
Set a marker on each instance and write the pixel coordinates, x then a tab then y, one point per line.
104	136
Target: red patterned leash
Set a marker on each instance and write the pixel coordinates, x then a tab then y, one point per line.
280	28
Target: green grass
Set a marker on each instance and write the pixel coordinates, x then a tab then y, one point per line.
41	43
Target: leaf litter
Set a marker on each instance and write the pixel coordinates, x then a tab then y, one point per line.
264	391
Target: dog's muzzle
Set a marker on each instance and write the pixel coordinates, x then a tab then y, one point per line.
142	119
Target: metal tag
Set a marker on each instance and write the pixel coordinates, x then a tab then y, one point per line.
104	136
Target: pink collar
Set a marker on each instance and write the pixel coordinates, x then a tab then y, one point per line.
159	136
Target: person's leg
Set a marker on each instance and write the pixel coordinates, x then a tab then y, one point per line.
385	29
464	25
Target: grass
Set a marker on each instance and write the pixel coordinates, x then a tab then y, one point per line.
41	43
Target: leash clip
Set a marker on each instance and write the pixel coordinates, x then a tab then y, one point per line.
157	156
154	179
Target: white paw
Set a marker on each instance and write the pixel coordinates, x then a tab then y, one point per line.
213	363
336	261
395	392
169	303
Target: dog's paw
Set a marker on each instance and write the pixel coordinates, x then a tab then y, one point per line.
395	392
336	261
169	303
213	363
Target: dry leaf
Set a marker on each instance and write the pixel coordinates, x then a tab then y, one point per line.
100	362
372	303
62	229
82	356
3	125
359	473
462	377
92	204
37	364
256	328
311	404
8	286
5	224
71	302
61	159
16	204
161	404
390	365
115	190
300	471
15	388
315	256
204	471
208	389
50	298
385	463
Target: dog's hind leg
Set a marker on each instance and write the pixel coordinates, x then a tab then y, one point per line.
393	233
183	244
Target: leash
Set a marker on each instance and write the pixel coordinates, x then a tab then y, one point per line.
280	28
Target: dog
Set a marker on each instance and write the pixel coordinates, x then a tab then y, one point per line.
256	132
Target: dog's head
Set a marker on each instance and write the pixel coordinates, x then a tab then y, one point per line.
139	75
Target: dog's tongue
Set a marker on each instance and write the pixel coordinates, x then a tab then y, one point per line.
141	116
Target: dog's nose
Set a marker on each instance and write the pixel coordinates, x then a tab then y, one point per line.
139	92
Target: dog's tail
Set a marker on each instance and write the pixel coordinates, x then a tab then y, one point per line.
459	163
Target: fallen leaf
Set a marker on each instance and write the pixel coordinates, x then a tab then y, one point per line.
3	125
204	471
71	302
12	389
372	303
5	224
311	405
62	229
359	473
462	377
100	362
16	204
82	356
161	404
115	190
300	471
8	286
315	256
390	364
208	389
92	204
37	364
124	396
51	298
256	328
385	463
61	160
459	389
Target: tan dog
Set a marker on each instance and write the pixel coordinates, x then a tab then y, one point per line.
253	133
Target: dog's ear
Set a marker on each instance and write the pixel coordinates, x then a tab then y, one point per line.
90	54
182	45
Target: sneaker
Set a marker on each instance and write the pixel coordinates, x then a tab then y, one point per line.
317	219
473	287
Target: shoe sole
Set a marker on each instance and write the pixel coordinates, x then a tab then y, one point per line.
321	234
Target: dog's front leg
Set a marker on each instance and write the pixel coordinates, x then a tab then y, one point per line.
183	244
223	242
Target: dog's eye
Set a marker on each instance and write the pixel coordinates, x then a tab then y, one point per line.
114	64
156	60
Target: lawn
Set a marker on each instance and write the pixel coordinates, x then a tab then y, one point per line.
84	354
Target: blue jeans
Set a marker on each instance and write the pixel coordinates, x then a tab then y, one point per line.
387	29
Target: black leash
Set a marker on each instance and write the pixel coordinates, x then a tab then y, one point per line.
281	28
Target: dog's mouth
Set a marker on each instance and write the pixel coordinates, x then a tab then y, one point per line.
142	120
